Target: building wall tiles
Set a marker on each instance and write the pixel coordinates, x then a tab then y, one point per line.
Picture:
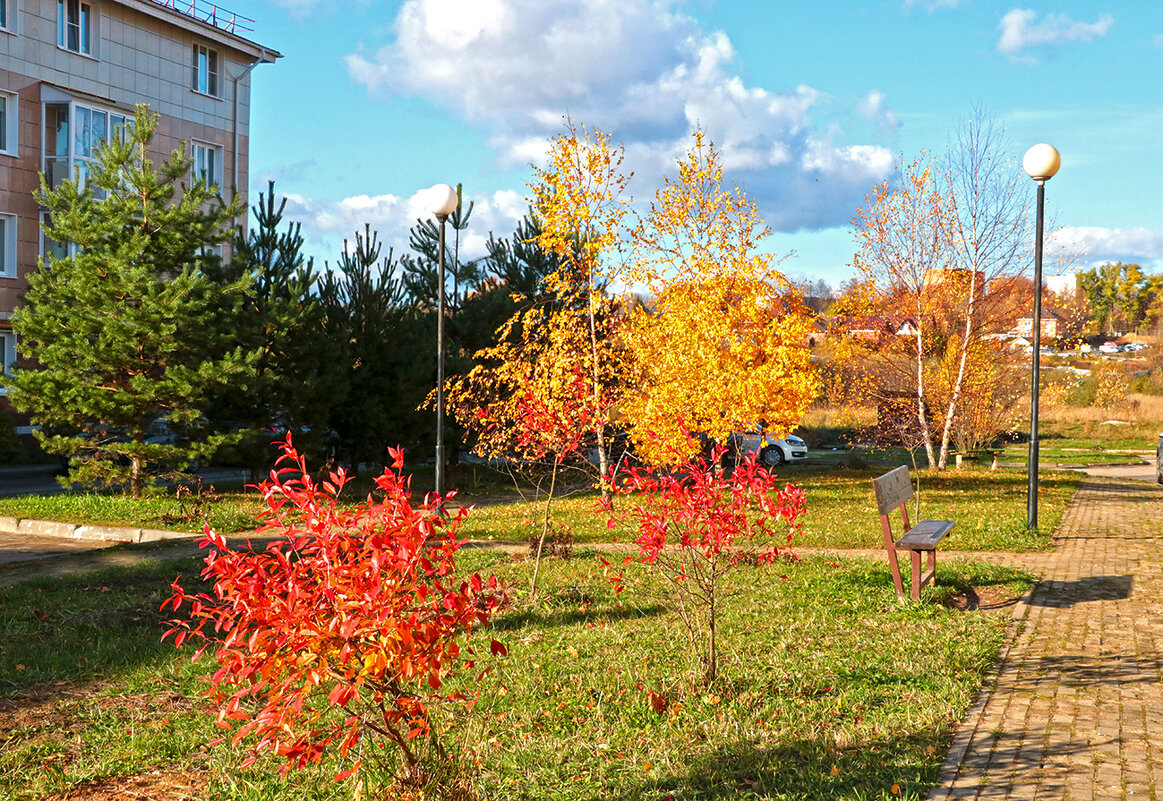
141	54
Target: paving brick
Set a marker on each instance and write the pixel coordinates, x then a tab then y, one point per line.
1078	694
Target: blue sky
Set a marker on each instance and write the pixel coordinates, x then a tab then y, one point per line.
810	102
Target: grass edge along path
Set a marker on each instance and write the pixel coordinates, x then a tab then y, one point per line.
988	506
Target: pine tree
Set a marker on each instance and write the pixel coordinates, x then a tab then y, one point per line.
363	303
125	332
281	318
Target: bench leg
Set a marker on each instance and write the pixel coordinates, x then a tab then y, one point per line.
933	567
896	573
915	558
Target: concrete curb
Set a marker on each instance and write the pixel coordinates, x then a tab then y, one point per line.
75	531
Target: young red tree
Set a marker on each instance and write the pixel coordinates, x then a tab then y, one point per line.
345	627
697	524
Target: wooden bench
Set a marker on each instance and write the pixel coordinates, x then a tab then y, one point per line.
894	490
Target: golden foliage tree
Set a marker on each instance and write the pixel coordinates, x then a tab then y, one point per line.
579	202
724	344
543	358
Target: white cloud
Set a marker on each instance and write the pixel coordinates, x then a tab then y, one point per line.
1094	245
875	109
1020	31
646	73
327	225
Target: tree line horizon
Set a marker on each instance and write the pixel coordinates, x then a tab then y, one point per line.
152	352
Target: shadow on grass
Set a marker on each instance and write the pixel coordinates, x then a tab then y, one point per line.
960	584
87	626
548	618
874	768
802	768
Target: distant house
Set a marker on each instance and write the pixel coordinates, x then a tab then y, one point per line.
954	280
1053	325
877	326
1066	284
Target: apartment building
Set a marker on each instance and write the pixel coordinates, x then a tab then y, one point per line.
71	71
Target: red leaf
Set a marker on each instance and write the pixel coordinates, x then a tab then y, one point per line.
341	602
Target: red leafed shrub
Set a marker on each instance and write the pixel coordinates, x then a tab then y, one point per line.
697	523
344	628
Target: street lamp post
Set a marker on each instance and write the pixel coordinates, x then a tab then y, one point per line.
1041	162
443	199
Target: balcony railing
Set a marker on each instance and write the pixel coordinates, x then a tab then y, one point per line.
212	13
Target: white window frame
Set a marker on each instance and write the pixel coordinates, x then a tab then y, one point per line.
9	122
83	141
8	16
7	245
206	71
198	152
7	354
85	25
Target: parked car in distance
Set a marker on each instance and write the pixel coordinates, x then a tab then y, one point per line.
1108	347
772	451
1159	460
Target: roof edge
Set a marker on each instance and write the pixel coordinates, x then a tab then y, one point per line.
153	8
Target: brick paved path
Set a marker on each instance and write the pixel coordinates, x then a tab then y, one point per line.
1077	710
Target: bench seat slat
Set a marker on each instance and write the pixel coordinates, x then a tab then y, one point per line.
925	535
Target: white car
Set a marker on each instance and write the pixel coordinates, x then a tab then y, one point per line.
1108	347
773	452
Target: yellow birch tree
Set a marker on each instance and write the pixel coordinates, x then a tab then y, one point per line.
578	197
723	345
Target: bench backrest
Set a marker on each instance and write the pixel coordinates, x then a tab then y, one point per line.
893	489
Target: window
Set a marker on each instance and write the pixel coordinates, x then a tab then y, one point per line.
73	132
207	162
9	103
7	12
7	351
74	26
53	248
8	245
205	72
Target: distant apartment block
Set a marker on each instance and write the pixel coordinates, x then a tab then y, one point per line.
71	72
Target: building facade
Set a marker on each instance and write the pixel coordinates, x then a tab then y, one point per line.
72	71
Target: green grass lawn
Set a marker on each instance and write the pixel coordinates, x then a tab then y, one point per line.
1070	452
989	507
233	510
831	688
